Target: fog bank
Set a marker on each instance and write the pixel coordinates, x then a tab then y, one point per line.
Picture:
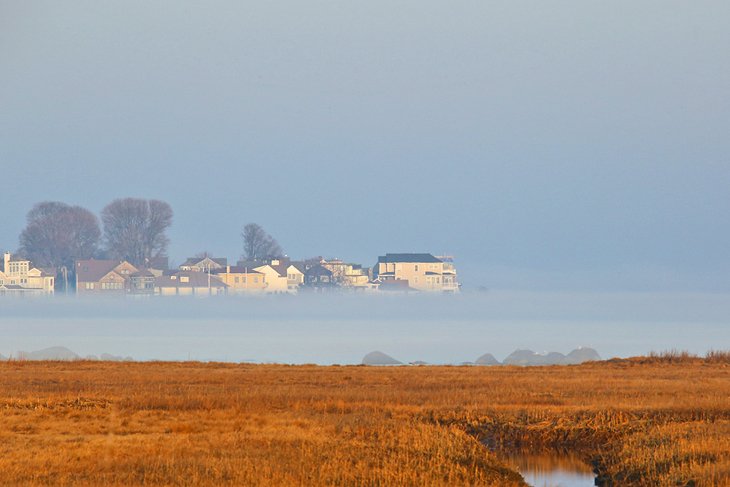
338	328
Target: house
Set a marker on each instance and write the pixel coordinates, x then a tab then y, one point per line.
347	275
19	276
189	283
142	282
423	272
104	276
295	276
203	264
277	276
241	280
319	278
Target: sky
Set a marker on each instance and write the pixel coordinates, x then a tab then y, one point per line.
549	146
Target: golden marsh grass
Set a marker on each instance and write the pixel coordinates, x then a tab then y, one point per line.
646	422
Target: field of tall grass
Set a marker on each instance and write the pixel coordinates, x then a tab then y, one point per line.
650	421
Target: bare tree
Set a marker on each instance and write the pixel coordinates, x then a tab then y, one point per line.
57	234
259	245
134	229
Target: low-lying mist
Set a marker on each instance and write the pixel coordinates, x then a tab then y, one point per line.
342	328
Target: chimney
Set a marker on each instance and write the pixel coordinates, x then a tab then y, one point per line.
6	262
228	269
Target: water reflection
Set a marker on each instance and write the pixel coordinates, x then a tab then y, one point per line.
551	469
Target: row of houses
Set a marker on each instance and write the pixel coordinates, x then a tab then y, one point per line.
214	276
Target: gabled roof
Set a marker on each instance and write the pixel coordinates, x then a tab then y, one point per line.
111	275
12	287
279	269
142	273
318	270
194	261
195	279
415	258
234	270
93	270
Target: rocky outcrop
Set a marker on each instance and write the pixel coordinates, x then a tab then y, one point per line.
63	353
115	358
582	354
520	357
528	357
51	353
379	358
487	359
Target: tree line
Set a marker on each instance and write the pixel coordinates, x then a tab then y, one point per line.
132	229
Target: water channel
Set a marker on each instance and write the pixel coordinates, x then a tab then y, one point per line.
550	469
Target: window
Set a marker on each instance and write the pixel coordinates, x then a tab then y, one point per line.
238	280
416	267
89	285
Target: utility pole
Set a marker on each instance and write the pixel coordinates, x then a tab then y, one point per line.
64	272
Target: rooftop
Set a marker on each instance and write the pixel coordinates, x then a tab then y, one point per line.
416	258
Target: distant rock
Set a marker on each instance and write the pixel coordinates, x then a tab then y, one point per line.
551	358
528	357
379	358
93	358
418	362
52	353
487	359
467	363
582	354
520	357
114	358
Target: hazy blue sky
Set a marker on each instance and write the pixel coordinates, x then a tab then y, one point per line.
548	145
